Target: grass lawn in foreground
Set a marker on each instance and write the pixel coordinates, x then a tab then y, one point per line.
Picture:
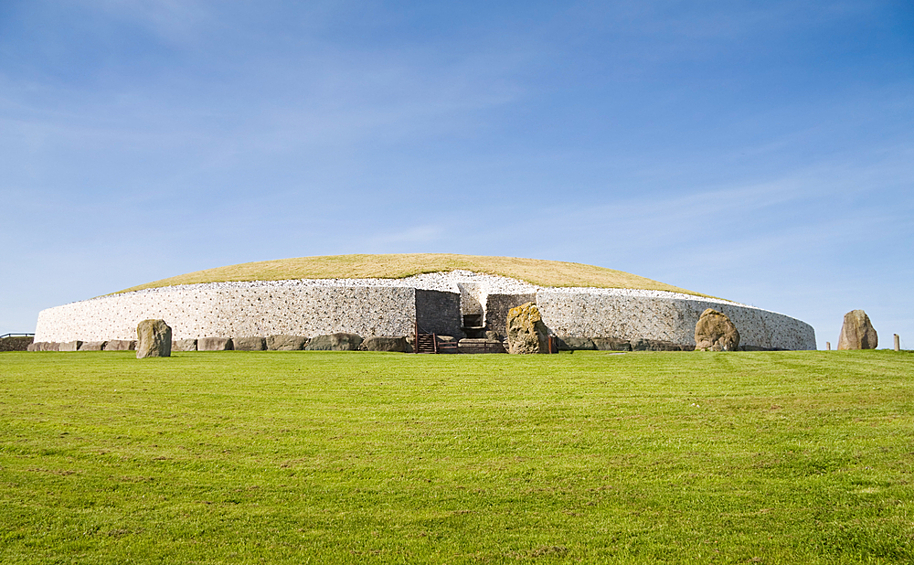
323	457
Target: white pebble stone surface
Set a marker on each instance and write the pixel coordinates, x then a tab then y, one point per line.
387	307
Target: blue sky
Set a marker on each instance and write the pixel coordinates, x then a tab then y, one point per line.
761	152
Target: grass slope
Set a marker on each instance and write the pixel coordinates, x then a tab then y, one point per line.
322	457
397	266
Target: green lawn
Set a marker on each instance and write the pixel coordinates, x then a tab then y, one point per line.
323	457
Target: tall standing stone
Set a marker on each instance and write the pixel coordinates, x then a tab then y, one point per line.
715	332
526	331
153	339
857	332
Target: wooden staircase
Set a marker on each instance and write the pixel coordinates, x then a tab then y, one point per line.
426	343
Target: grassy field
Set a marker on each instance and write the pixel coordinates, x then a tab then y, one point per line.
323	457
398	266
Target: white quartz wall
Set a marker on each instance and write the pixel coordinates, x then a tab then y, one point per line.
662	316
379	307
236	310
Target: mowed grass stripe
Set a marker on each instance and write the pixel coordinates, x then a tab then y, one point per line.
296	457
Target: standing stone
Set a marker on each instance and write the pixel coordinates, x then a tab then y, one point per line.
857	332
526	331
153	339
715	332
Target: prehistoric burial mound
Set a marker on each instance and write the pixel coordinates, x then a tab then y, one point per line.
390	295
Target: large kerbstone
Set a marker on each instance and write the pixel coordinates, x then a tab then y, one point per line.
612	344
286	342
715	332
153	339
184	345
569	343
857	332
44	346
70	346
249	343
120	345
215	344
642	344
335	342
93	346
526	331
385	343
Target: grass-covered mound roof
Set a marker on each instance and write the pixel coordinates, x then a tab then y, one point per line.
398	266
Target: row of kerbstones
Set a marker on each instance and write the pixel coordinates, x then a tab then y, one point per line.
332	342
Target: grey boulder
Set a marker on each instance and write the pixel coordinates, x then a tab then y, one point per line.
153	339
715	332
857	332
526	331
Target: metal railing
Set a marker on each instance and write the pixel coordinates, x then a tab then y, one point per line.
16	335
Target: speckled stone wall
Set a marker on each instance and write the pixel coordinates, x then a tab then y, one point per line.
261	309
195	311
598	313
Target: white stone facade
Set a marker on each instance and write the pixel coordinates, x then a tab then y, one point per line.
383	307
195	311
